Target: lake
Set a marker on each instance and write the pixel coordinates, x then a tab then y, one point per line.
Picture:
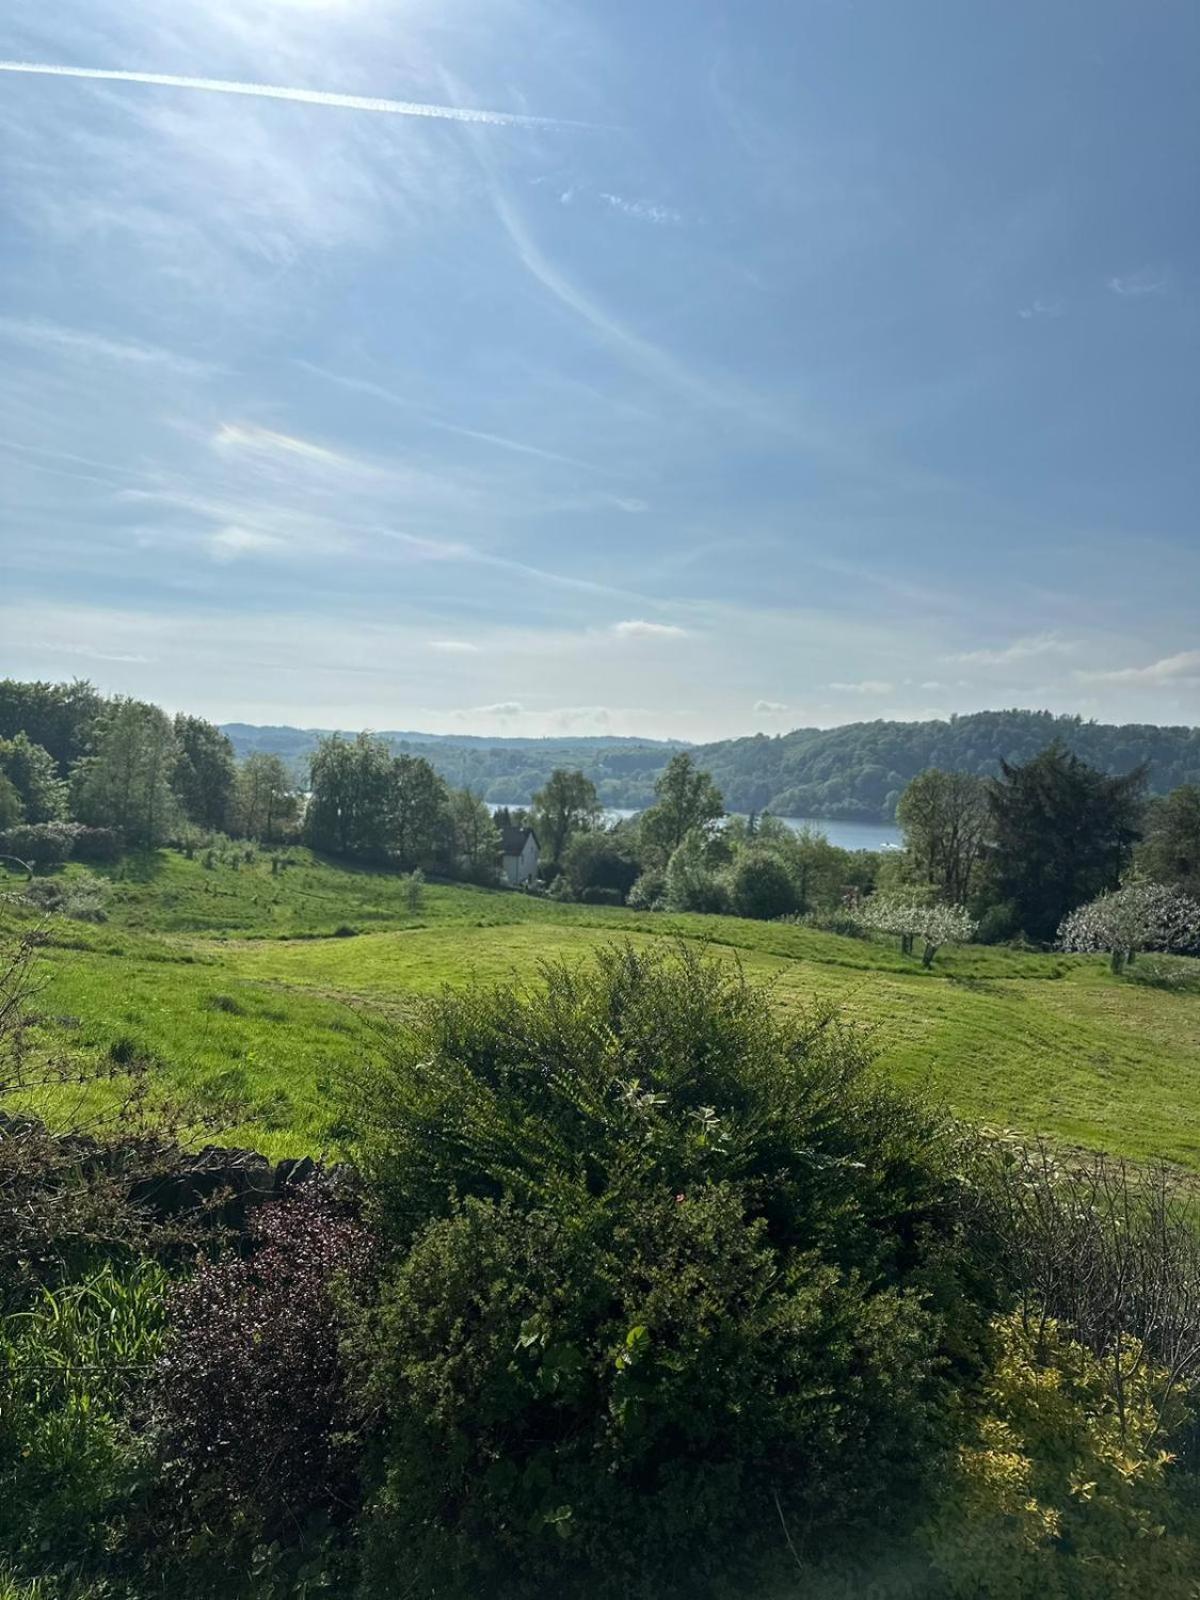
846	835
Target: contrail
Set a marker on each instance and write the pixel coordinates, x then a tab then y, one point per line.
311	97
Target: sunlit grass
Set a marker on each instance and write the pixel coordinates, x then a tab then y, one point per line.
238	990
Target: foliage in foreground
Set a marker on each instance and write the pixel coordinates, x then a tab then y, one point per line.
675	1269
72	1370
657	1293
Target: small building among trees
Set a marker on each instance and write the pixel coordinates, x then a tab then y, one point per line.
521	853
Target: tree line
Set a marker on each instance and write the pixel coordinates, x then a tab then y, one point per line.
857	771
860	770
990	858
88	775
1019	852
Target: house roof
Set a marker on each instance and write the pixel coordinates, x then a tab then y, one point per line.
512	840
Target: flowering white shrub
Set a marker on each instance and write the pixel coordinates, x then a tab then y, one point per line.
1141	916
934	922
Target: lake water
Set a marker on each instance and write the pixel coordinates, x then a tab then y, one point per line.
846	835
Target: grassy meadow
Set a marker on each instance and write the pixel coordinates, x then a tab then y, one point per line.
245	990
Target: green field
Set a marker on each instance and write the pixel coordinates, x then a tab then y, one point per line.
246	991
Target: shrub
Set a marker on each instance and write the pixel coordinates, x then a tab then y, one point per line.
761	886
83	897
692	881
249	1390
677	1276
1178	973
998	923
1066	1489
46	844
414	891
599	895
648	891
96	844
599	860
843	922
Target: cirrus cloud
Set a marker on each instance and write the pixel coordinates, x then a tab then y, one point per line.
636	628
1181	668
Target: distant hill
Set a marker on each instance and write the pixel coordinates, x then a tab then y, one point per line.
506	771
853	772
858	771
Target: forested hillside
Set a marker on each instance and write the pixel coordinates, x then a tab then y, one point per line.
856	771
506	771
859	770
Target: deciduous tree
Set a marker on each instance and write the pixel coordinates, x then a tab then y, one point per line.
945	819
565	806
58	716
33	774
1141	916
264	798
932	921
125	782
1170	851
205	775
349	812
687	800
476	836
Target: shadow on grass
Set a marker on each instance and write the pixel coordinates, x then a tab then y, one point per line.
139	866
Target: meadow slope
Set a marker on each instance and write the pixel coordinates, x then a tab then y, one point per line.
246	991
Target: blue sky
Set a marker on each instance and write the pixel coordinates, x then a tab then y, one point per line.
750	366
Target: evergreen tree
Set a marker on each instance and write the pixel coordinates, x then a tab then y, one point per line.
1062	834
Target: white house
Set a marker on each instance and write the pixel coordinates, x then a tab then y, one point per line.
521	853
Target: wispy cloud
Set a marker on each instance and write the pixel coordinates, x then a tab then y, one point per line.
641	210
310	97
1135	284
266	441
227	544
866	686
770	708
1183	668
1047	644
636	628
644	353
503	708
454	647
432	420
1041	308
51	336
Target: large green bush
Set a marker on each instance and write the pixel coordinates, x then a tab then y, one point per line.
678	1288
